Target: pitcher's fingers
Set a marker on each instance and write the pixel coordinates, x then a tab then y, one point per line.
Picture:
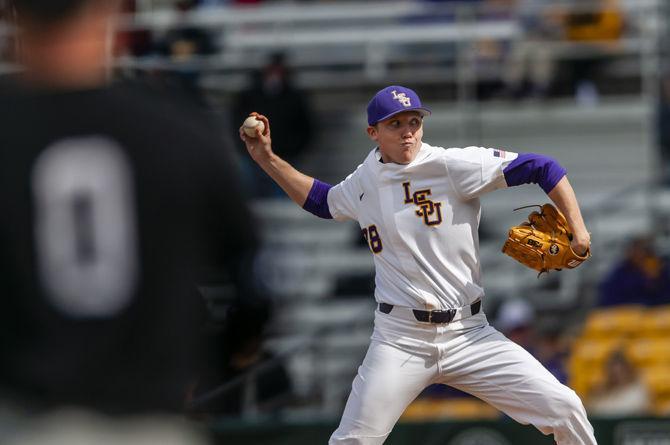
266	123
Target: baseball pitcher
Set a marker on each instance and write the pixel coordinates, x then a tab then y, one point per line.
418	208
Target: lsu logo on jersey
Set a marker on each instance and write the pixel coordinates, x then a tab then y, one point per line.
430	211
402	98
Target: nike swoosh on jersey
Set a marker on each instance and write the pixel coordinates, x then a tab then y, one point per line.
360	198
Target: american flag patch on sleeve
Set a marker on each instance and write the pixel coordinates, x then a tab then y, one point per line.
499	153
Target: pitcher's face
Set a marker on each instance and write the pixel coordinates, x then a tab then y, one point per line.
399	137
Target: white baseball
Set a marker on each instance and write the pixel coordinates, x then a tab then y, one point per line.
250	124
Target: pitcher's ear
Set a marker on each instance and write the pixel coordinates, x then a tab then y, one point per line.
372	132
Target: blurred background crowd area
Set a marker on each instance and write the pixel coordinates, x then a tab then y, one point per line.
587	82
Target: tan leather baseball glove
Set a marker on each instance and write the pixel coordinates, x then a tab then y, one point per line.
543	241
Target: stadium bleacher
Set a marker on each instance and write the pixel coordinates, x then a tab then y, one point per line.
609	149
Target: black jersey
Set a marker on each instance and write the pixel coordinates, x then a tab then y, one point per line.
111	199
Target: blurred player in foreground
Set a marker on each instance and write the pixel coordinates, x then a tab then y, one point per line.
113	197
418	208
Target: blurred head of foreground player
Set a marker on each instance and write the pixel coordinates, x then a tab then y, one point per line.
65	43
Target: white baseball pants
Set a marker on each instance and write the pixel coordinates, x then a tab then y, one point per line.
406	356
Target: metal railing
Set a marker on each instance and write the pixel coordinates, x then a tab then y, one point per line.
430	42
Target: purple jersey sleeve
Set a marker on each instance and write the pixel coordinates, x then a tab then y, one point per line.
317	200
534	168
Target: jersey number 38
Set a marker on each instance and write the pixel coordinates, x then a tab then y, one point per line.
371	235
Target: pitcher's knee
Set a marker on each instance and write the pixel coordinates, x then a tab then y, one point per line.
567	405
566	411
568	420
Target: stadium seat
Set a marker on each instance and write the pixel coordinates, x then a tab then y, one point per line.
662	406
656	322
649	351
585	375
595	350
618	321
657	379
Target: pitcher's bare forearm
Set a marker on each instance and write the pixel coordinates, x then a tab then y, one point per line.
296	184
564	197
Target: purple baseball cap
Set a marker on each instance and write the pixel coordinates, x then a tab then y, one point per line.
393	100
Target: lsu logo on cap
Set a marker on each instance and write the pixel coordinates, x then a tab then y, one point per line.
402	98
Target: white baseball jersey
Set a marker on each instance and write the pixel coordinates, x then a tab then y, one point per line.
421	222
